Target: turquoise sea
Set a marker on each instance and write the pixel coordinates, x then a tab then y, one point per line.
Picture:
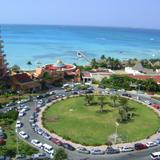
44	44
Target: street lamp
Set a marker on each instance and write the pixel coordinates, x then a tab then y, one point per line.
116	132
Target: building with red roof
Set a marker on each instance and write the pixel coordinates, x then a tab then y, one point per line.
156	78
23	81
59	72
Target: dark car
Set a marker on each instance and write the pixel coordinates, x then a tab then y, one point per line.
37	109
140	146
75	92
126	95
89	91
68	146
111	150
56	141
39	97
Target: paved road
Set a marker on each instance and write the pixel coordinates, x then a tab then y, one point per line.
73	155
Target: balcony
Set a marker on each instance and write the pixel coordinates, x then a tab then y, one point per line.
1	50
1	46
1	41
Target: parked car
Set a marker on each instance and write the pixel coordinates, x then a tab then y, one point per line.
111	150
68	146
148	102
2	135
56	141
26	108
156	106
88	91
151	144
46	135
126	149
39	97
4	158
75	92
21	114
96	151
157	140
40	131
49	149
83	150
155	156
126	95
22	157
42	156
37	143
32	119
140	146
37	109
23	135
33	125
35	115
18	124
2	141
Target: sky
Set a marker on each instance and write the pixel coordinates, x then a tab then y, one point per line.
123	13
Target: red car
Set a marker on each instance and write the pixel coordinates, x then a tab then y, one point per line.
156	106
2	141
56	141
37	109
140	146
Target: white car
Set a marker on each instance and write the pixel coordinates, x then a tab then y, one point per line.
18	124
83	150
49	149
126	149
155	156
151	144
96	151
21	114
23	135
26	108
148	102
37	143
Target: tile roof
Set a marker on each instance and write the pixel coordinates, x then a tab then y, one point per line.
144	77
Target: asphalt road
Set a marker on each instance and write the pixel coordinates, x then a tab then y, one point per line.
73	155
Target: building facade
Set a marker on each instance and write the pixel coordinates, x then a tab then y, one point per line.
58	72
3	62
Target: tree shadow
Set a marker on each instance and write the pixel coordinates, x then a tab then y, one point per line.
104	111
132	109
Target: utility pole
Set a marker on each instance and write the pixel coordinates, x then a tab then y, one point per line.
17	143
116	132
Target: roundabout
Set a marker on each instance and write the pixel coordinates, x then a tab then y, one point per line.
84	124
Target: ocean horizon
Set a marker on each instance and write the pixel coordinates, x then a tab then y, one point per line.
46	43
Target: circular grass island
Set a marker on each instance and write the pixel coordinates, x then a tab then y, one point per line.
84	124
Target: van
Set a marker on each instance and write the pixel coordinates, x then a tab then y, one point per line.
155	156
49	149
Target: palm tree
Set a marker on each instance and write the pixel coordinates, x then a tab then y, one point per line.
29	63
123	114
89	99
94	63
103	57
123	103
101	102
114	99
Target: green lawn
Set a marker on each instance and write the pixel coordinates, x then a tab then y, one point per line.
73	120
